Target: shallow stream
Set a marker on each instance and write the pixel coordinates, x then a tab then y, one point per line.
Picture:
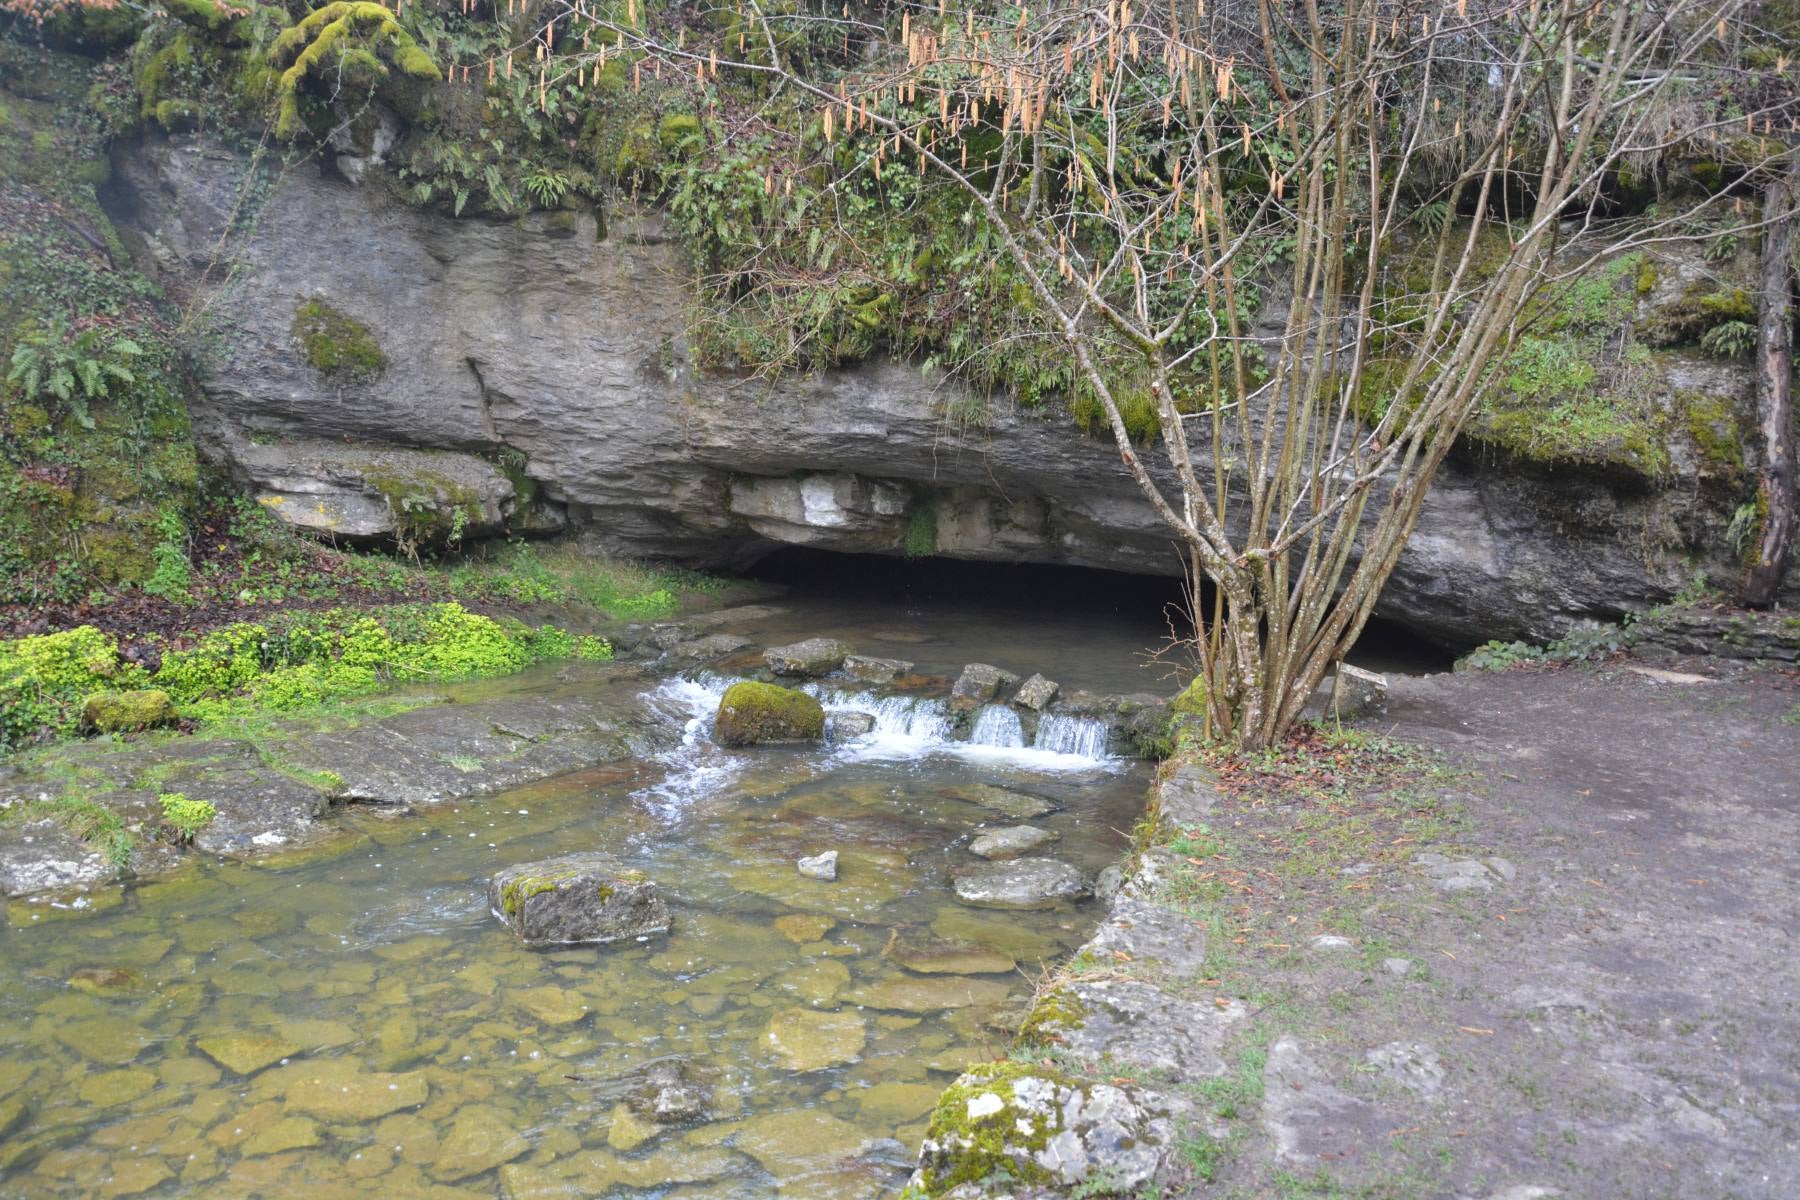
357	1023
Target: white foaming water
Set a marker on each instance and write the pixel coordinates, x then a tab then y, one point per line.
906	728
998	725
1083	737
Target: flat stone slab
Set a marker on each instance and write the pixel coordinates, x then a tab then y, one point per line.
577	898
1020	883
1455	875
1309	1118
1139	1024
1149	933
41	858
803	1039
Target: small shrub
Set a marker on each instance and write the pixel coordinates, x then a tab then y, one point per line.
185	818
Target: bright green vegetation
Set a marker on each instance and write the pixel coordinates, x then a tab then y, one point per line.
185	817
1570	391
287	663
528	574
1054	1011
342	37
751	713
337	344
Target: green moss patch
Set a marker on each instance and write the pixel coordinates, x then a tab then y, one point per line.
337	344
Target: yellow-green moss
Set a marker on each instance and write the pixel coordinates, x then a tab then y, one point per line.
1053	1014
115	712
751	713
335	343
974	1150
517	891
1716	428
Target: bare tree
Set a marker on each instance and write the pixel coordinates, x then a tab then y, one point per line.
1774	392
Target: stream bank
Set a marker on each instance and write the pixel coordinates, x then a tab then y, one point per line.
1525	936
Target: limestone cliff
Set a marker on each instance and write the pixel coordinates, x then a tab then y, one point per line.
548	355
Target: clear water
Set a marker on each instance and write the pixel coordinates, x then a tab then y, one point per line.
424	1047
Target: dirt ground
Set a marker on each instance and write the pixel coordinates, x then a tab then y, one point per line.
1559	959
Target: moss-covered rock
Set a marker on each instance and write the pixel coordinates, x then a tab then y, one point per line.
753	713
337	344
114	712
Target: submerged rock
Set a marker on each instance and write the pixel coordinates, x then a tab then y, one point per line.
671	1095
1020	806
808	659
752	714
807	1040
113	712
577	898
933	956
1011	841
246	1053
978	684
1020	883
480	1139
801	928
820	866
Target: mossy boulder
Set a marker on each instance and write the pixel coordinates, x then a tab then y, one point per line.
114	712
575	899
1041	1132
753	714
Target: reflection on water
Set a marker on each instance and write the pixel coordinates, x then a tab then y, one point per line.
358	1024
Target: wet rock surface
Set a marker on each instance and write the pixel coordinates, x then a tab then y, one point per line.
577	899
979	684
808	659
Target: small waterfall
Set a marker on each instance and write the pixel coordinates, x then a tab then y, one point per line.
1080	736
906	728
998	725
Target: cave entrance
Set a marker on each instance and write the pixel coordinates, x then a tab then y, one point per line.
1102	630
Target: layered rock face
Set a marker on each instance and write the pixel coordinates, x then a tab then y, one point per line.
544	362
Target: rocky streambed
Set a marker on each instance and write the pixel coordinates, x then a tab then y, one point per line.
322	1000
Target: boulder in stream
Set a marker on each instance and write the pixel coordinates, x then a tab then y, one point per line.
820	866
877	671
843	727
752	714
1021	883
1012	841
1037	693
808	659
577	898
978	684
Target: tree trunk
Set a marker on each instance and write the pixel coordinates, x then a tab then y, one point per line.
1774	399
